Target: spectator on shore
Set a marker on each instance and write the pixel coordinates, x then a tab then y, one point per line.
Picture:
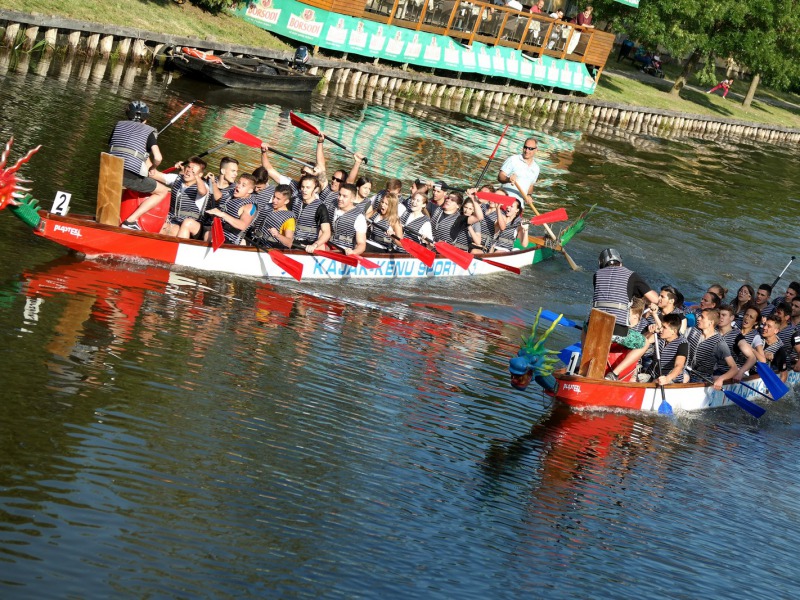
538	8
585	18
725	84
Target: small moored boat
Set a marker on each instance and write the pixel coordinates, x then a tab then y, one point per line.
244	73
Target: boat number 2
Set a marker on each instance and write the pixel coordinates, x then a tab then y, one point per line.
61	203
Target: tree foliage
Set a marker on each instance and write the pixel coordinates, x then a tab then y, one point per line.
763	35
216	6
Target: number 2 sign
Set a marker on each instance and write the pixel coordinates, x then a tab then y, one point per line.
61	203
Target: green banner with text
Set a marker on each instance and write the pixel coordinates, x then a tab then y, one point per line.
333	31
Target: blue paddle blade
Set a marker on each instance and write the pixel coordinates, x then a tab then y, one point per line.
549	315
664	408
745	404
774	384
566	354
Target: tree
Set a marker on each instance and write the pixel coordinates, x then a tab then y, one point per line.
762	34
770	48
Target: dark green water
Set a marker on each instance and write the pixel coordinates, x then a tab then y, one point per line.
176	434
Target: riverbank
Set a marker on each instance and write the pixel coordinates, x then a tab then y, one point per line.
661	115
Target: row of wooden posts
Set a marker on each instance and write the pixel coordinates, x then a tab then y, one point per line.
27	37
459	96
352	80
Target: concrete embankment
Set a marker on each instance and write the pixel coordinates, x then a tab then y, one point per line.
375	82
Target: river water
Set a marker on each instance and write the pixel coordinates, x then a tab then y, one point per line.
179	434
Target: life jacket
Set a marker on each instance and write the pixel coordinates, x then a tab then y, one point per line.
611	292
274	219
412	230
129	142
232	207
206	56
183	202
307	230
344	229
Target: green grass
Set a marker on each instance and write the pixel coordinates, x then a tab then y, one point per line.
653	92
160	16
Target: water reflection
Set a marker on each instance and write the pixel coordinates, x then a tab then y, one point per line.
223	436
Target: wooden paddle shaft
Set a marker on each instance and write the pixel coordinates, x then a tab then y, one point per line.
533	207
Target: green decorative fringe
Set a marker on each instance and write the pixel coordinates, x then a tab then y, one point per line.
27	211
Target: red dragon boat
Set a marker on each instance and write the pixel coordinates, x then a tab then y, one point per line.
99	236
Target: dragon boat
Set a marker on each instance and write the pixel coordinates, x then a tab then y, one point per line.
99	236
582	385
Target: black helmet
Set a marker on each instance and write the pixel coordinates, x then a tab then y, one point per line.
609	257
138	111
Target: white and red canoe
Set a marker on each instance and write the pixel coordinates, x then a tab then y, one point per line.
588	393
85	235
588	388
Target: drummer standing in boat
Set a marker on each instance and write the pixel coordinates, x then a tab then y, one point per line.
134	141
520	169
615	287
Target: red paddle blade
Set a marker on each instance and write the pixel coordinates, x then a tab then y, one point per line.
419	252
366	263
500	199
457	255
553	216
290	265
237	134
217	235
338	257
304	125
500	265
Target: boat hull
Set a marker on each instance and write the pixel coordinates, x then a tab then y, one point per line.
241	74
84	235
582	392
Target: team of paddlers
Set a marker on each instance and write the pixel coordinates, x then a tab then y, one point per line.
713	340
313	211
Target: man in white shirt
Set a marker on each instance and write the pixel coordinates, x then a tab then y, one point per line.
515	4
521	169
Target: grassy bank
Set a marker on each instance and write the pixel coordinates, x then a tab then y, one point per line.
625	85
155	15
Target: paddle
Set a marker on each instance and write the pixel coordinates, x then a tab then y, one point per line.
342	258
306	126
774	384
757	391
291	266
740	401
552	316
217	234
237	134
202	154
553	216
457	255
664	408
572	264
486	166
501	199
778	278
176	117
362	262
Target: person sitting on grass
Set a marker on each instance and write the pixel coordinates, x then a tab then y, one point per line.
725	85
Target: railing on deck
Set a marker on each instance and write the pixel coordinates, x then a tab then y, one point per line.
535	34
